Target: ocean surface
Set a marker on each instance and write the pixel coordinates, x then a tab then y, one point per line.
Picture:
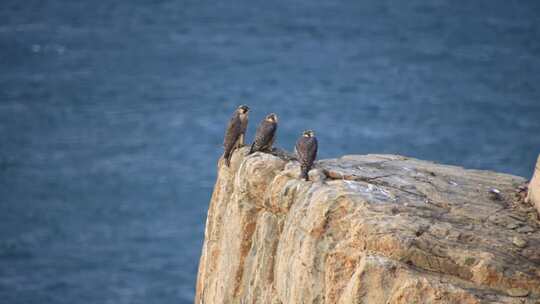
112	115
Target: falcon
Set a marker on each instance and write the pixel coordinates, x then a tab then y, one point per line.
265	135
306	151
235	133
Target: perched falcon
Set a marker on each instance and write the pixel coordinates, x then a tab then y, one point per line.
235	133
243	125
306	151
266	134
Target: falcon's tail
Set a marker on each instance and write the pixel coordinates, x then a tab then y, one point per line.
304	170
252	149
227	158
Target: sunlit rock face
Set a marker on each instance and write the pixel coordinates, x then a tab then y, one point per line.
366	229
534	187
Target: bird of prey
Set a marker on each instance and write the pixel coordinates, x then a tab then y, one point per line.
265	135
306	151
235	133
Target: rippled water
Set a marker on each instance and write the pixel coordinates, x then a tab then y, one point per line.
112	117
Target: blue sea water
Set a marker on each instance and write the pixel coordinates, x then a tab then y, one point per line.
112	116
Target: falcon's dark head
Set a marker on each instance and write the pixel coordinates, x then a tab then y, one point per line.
243	109
308	133
272	118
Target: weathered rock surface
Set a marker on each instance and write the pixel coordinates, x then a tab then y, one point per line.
534	187
369	229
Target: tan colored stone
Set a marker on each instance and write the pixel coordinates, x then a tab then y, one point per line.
519	242
518	292
367	229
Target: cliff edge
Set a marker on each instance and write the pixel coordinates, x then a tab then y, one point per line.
368	229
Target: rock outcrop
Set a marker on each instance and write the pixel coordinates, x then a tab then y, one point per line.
533	196
367	229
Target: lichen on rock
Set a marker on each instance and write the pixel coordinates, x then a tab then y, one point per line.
366	229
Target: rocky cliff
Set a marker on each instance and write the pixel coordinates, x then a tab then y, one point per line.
368	229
